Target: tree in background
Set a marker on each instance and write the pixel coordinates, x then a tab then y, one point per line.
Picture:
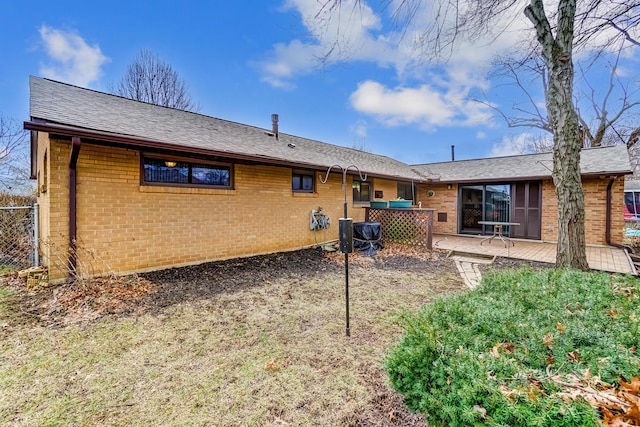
608	116
593	24
14	158
150	79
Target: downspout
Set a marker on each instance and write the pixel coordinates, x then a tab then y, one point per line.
73	161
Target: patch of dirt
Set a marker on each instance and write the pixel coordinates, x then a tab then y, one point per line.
79	302
387	407
204	281
502	263
76	302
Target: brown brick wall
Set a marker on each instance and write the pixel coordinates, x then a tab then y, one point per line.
124	226
53	178
444	200
595	204
549	212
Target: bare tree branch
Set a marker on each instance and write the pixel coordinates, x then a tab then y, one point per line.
634	137
14	162
150	79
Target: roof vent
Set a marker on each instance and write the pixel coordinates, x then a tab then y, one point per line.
274	124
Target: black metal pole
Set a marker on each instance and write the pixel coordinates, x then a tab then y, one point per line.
346	264
346	289
345	245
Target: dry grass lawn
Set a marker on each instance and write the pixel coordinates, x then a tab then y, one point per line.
267	351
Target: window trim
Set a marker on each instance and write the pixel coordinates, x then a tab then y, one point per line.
301	173
411	187
369	183
189	160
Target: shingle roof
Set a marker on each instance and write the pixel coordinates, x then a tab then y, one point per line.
612	160
54	103
60	103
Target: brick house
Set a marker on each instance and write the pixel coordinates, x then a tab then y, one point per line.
127	186
520	189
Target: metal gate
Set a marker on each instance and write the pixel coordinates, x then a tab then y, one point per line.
18	237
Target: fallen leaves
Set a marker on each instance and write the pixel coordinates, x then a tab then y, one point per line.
91	299
548	340
627	412
272	366
507	347
619	406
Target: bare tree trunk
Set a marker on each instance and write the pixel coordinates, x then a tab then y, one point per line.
571	251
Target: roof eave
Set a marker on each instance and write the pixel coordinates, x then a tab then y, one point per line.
602	174
143	143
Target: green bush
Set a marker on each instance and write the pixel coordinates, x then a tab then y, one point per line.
480	358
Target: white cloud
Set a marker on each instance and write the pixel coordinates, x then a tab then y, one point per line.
401	105
481	135
511	146
71	59
353	34
443	92
427	106
289	61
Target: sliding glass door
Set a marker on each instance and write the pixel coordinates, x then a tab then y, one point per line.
490	202
519	202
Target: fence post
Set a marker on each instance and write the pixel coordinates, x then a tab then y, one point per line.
36	235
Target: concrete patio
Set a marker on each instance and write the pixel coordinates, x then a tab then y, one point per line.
605	258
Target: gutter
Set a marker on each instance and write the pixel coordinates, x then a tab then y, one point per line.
73	234
111	139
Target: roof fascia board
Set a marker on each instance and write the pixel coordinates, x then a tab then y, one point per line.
140	143
607	174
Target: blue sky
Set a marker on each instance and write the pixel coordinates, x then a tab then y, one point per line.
244	60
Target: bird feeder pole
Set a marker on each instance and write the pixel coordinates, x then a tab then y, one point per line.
346	234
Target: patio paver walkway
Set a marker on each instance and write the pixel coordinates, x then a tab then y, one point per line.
468	268
605	258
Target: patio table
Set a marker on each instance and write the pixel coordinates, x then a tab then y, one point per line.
497	231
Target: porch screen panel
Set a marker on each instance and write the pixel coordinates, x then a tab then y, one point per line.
534	211
527	210
519	209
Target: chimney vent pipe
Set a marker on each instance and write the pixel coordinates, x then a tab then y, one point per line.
274	124
453	153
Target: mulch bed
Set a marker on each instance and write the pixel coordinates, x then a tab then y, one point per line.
85	301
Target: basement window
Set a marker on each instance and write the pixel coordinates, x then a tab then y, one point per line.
302	181
181	172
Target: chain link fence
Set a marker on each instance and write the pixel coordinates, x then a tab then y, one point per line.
17	237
